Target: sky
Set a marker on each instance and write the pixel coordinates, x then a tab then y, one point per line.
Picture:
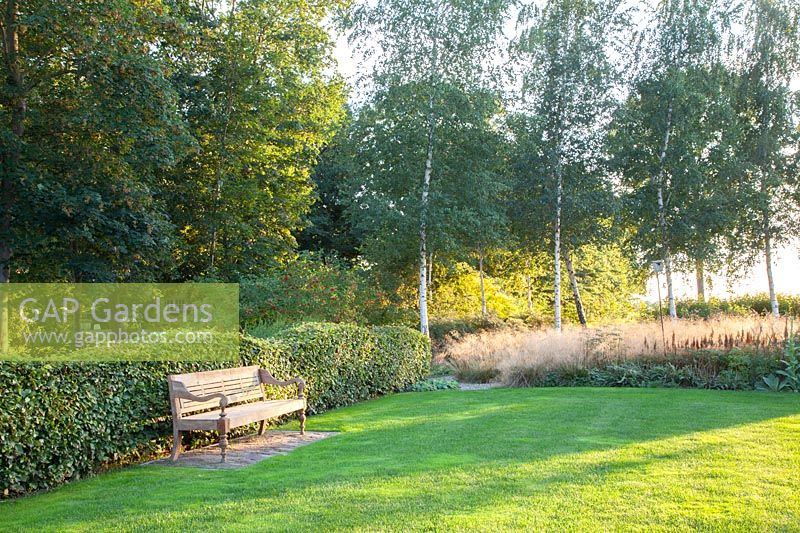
786	260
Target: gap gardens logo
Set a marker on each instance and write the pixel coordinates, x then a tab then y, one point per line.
107	321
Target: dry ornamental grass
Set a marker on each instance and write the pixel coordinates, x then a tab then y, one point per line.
499	355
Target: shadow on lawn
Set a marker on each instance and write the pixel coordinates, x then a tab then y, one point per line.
427	452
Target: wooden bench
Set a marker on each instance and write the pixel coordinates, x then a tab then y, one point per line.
237	398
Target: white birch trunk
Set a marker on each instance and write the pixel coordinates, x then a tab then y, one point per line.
423	227
557	248
426	185
773	297
423	253
662	220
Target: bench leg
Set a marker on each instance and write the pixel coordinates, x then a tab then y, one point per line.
262	427
223	444
303	422
223	426
176	444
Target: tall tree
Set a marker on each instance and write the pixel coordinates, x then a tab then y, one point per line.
385	146
427	46
567	90
258	98
707	201
90	122
480	193
768	59
661	138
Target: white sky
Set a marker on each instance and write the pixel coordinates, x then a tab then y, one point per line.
786	260
785	270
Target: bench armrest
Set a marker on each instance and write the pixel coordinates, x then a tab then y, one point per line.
179	390
269	379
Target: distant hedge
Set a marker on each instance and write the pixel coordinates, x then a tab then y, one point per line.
63	421
738	305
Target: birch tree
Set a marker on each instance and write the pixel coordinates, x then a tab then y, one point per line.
567	97
768	58
385	148
479	214
426	45
660	136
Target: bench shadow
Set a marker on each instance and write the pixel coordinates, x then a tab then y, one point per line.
401	438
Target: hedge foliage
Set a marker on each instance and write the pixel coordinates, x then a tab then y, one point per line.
738	306
342	363
63	421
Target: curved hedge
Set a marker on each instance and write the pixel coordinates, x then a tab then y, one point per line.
62	421
341	363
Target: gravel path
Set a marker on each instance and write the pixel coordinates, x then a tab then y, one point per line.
479	386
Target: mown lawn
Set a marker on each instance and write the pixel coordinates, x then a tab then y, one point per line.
578	459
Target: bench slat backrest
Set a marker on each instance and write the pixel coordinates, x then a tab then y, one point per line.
238	384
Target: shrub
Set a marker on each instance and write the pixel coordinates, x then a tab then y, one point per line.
737	305
309	289
63	421
706	370
787	378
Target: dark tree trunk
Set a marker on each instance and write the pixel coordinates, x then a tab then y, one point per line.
430	278
529	292
573	281
701	281
484	311
15	100
12	154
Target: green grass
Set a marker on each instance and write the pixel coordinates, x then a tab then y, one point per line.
557	459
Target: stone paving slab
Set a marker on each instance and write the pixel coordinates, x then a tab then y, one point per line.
246	450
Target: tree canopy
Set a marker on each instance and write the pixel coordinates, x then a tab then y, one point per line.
482	146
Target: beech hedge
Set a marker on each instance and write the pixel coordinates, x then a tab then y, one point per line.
64	421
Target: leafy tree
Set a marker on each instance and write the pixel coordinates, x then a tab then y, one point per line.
431	51
257	98
668	140
567	92
767	189
480	190
384	148
707	200
89	123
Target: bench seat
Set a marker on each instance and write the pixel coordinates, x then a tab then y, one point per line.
220	400
241	415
